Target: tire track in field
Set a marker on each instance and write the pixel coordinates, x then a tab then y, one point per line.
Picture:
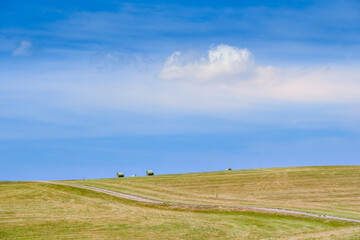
146	200
116	194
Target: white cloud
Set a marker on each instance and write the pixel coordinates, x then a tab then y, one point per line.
250	84
320	85
287	94
221	60
23	50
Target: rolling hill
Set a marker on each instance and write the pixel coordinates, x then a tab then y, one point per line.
37	210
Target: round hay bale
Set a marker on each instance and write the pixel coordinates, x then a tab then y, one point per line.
149	172
134	175
120	174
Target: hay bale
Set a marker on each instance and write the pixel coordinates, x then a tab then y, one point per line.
134	175
149	172
228	169
120	174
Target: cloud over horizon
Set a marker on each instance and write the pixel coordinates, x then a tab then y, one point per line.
227	82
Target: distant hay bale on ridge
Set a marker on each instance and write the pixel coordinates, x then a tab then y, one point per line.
228	169
134	175
149	172
120	174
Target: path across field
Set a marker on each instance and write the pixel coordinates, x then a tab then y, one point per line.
141	199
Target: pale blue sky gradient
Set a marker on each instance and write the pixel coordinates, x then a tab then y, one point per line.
88	88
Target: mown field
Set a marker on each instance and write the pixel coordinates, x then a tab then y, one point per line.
33	210
332	190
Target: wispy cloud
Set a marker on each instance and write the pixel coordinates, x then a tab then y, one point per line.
221	60
275	31
24	49
187	86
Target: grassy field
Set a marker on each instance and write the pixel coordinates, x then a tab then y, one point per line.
31	210
332	190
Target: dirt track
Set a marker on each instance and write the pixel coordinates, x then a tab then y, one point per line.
141	199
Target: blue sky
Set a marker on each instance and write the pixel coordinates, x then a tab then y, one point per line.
88	88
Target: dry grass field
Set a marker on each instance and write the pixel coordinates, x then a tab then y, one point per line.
33	210
332	190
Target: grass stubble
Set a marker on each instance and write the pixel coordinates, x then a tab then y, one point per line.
33	210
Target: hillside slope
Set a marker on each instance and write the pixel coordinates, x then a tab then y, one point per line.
35	210
47	211
332	190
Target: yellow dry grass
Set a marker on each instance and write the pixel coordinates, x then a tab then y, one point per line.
31	210
332	190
